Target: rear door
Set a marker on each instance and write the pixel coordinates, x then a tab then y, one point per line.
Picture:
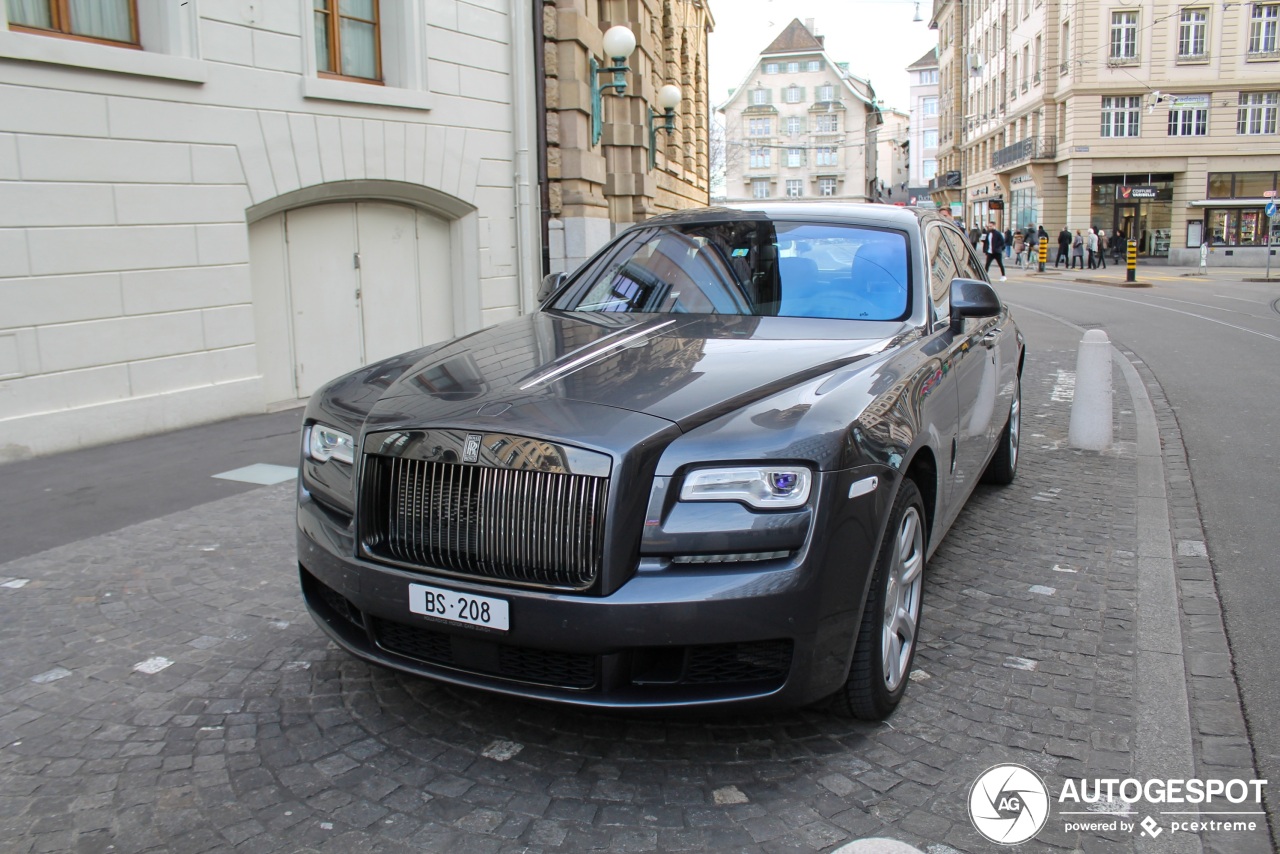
977	366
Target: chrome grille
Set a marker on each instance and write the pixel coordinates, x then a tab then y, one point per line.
524	527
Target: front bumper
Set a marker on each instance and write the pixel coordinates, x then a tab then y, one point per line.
773	633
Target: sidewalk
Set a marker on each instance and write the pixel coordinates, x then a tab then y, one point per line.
1148	273
162	688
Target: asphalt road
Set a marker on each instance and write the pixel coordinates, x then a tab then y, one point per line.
58	499
1213	343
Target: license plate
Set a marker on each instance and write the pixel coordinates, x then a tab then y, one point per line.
455	607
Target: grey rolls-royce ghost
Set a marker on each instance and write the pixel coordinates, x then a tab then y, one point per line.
709	469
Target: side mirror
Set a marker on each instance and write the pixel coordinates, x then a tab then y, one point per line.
550	284
972	298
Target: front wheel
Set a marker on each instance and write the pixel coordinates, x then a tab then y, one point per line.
1004	465
886	643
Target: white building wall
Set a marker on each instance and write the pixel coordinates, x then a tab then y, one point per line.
126	177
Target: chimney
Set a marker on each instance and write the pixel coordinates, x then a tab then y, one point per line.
808	25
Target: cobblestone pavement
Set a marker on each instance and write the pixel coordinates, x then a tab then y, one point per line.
163	689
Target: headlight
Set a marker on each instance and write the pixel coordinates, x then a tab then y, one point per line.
325	443
762	487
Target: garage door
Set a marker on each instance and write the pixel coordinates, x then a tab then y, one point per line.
337	286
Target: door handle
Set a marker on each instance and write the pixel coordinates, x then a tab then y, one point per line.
989	340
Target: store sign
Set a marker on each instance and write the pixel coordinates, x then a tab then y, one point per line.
1021	179
995	205
1126	192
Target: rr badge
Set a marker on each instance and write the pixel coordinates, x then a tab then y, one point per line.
471	451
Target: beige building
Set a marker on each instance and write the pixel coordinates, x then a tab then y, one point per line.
600	175
893	157
800	125
1156	120
923	95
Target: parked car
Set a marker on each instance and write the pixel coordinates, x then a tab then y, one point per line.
702	472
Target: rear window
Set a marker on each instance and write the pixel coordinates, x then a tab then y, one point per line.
760	268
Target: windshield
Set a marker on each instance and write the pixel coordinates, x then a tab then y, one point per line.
760	268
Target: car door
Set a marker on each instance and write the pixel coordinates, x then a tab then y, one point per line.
977	369
943	388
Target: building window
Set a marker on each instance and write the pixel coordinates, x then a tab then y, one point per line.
795	125
930	138
103	20
1124	35
930	169
771	68
826	92
929	106
928	76
759	97
1193	33
1189	116
347	40
793	68
813	65
795	157
824	156
1120	115
826	186
760	158
758	127
827	123
793	94
795	188
760	189
1237	226
1257	113
1263	24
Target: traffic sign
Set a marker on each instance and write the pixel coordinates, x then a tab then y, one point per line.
1268	194
1272	208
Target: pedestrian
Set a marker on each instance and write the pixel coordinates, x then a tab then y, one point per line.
1077	251
1091	247
993	245
1019	249
1064	247
1102	248
1117	245
1008	242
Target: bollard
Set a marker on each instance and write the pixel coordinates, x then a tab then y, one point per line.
1131	275
1044	252
1091	404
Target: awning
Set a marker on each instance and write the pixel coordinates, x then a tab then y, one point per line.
1229	203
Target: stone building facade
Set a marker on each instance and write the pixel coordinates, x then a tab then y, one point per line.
591	189
207	209
1154	120
801	125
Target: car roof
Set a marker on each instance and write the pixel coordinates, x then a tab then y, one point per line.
886	215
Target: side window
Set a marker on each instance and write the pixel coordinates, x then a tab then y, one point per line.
942	269
347	40
111	21
967	266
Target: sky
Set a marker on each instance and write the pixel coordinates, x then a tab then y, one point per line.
876	37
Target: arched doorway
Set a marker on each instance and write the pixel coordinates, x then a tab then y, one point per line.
344	283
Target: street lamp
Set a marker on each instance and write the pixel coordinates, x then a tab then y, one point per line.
619	42
668	99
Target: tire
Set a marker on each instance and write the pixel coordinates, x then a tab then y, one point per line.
1004	465
886	646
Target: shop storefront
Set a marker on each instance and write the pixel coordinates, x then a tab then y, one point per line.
1137	207
1235	210
1024	203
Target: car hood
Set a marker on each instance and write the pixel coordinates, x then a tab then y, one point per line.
686	369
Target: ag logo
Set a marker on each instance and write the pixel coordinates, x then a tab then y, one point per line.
1008	804
471	450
